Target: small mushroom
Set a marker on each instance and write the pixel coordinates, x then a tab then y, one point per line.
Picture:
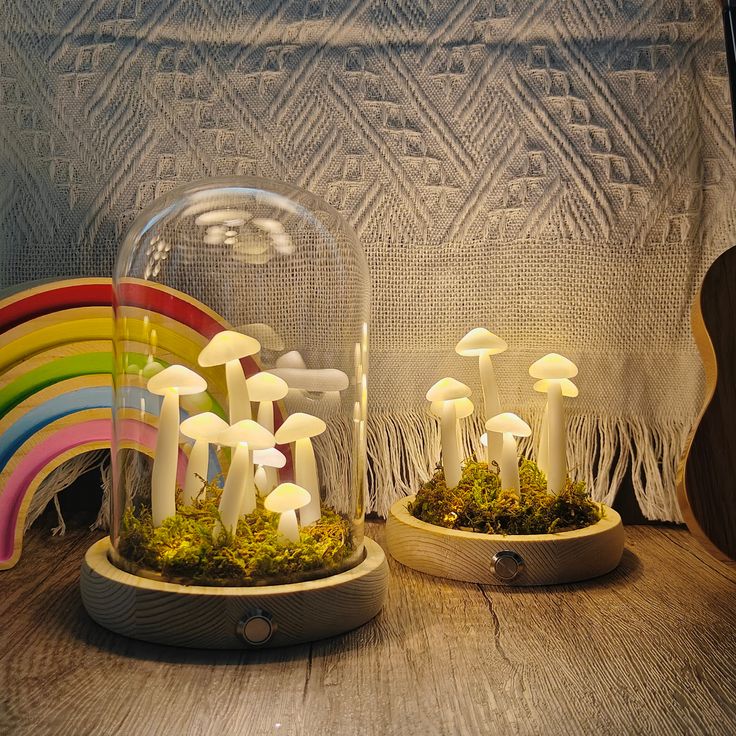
227	348
300	428
510	426
555	369
203	429
239	491
570	390
171	383
446	392
267	460
284	500
482	344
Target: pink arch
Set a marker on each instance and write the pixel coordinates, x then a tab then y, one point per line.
68	438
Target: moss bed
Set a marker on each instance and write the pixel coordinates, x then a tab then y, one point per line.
183	550
479	504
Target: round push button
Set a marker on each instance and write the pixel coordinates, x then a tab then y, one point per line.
256	628
506	565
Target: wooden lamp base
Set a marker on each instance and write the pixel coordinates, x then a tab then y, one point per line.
232	618
495	559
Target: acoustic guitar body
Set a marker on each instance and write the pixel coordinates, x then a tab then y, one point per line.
706	481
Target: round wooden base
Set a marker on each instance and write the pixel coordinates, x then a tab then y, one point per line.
232	618
495	559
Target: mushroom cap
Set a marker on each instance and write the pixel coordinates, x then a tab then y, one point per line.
299	426
269	458
509	422
207	427
480	341
287	497
569	389
446	389
313	379
292	359
226	346
553	365
178	377
248	431
266	387
463	407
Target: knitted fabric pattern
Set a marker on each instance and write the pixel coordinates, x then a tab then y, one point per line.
561	172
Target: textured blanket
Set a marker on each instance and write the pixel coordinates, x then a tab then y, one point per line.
560	172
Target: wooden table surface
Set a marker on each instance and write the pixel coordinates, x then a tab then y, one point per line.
648	649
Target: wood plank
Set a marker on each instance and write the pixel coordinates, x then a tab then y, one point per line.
649	648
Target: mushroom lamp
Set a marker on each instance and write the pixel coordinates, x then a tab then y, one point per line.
227	348
446	393
569	390
284	500
203	429
509	425
269	459
171	383
555	368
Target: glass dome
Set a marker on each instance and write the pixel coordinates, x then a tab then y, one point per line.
241	354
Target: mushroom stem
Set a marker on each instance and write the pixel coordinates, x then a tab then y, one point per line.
231	500
305	475
249	491
543	449
556	439
288	528
265	419
491	404
261	481
237	392
198	465
509	464
163	478
450	444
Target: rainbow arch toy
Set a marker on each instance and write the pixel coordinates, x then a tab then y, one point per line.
56	368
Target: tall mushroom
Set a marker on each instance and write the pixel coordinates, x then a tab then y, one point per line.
509	426
446	392
267	460
203	429
171	383
284	500
300	428
482	344
463	409
569	389
227	348
555	369
239	491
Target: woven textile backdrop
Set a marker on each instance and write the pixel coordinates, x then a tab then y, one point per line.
561	172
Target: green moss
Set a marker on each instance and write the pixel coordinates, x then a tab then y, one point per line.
479	504
183	549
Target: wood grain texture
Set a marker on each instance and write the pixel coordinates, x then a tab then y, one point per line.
206	617
647	649
706	483
548	558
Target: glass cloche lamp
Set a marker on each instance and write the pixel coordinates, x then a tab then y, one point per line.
239	453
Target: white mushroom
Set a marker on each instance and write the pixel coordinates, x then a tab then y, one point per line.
510	426
171	383
265	388
203	429
555	368
266	477
239	492
284	500
300	428
313	379
447	391
570	390
227	348
482	344
463	409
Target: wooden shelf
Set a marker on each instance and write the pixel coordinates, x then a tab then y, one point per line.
649	648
